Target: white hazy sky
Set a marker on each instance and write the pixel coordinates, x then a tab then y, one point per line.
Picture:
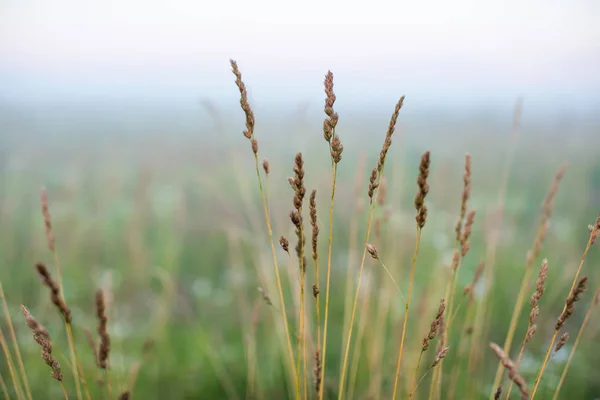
375	48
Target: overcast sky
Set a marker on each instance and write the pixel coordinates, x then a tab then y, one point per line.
376	49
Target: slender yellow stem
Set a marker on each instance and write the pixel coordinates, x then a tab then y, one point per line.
549	350
410	286
576	343
355	303
15	343
413	386
277	275
108	383
4	388
64	391
11	368
328	282
393	280
518	360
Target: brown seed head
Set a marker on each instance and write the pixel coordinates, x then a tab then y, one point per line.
595	230
104	347
318	369
465	196
513	373
285	244
435	325
498	393
313	223
372	184
47	219
569	308
420	206
440	356
546	213
42	337
55	296
336	149
266	166
562	341
124	396
249	131
372	251
332	117
464	239
315	290
539	291
388	136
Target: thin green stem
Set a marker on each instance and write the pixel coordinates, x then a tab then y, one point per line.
277	275
328	282
410	287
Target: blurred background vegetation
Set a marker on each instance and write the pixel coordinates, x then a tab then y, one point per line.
160	207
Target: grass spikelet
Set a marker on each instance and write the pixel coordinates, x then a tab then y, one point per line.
125	395
465	197
498	393
42	337
104	346
561	342
55	297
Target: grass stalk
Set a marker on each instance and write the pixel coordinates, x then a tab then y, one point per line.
407	305
586	319
249	133
592	238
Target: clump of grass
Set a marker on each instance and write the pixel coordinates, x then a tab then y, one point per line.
42	337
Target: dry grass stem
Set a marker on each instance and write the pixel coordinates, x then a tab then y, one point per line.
249	134
421	219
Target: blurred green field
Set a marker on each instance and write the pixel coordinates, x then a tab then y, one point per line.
163	211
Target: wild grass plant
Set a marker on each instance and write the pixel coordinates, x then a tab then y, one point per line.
377	311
